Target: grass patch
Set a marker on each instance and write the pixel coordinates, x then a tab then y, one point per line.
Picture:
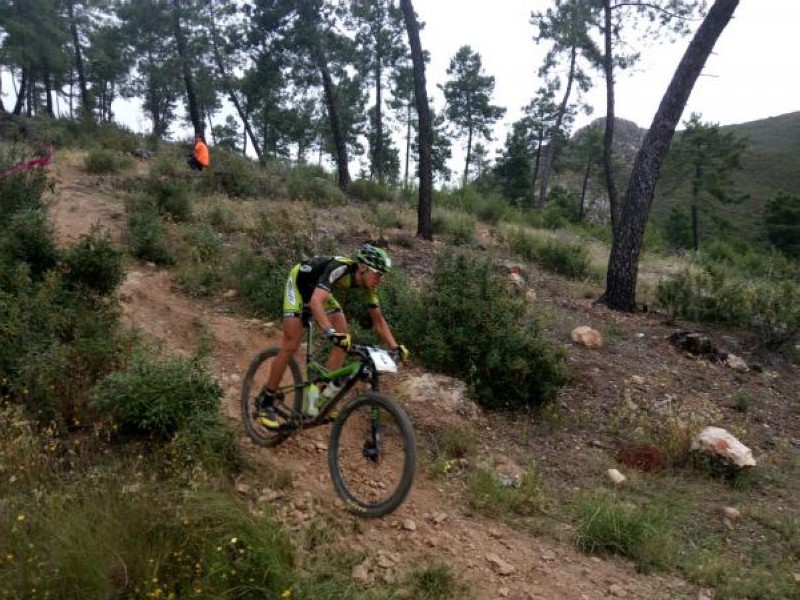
502	500
610	525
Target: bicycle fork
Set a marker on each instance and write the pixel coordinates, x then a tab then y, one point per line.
371	448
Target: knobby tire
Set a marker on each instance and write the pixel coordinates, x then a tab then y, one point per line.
252	387
348	436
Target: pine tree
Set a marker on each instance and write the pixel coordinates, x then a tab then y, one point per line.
468	95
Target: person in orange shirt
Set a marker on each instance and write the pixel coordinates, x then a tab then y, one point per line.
199	160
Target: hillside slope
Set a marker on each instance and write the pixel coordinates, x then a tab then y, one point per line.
496	558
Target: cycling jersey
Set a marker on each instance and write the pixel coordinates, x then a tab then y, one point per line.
331	273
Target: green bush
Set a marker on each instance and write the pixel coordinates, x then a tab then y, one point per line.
782	223
171	196
565	258
22	190
147	233
459	227
262	281
157	397
570	259
371	191
103	161
314	185
94	263
241	177
28	238
465	323
56	343
207	441
385	217
771	308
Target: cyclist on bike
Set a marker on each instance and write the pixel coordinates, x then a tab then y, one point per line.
310	288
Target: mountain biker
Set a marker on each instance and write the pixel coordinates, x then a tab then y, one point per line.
310	287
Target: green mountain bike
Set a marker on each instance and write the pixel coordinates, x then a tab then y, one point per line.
372	449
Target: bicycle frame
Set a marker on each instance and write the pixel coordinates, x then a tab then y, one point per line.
316	372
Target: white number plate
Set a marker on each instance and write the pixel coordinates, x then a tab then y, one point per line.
382	361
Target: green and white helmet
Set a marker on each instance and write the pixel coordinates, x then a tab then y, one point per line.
374	257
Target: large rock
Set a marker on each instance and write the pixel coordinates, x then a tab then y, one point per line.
587	337
719	442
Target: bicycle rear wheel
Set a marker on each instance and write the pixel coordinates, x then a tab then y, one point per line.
254	380
372	455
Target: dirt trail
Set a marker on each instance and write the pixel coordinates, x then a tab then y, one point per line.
494	560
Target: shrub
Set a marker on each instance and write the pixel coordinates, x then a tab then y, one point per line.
22	190
262	281
171	197
103	161
28	238
384	217
147	234
771	308
94	263
557	256
157	397
314	185
371	191
458	226
564	258
207	441
465	323
782	222
491	209
240	177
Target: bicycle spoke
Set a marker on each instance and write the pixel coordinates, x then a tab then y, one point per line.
374	458
254	382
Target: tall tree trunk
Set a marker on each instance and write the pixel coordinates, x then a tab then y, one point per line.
73	25
229	88
408	143
48	95
469	156
22	93
698	176
550	152
378	121
623	261
339	141
186	68
424	222
537	157
584	185
608	137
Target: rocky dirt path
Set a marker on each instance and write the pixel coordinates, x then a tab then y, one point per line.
491	558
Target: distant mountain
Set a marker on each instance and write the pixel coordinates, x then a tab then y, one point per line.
770	164
628	136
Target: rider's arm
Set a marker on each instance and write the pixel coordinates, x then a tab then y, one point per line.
317	304
382	327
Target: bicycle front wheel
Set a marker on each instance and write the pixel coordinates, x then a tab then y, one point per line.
372	455
254	381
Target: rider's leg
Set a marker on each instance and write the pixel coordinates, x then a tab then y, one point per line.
337	355
292	334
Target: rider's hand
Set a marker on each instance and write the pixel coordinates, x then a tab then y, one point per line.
339	339
400	353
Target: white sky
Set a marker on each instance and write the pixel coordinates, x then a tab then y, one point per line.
753	73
